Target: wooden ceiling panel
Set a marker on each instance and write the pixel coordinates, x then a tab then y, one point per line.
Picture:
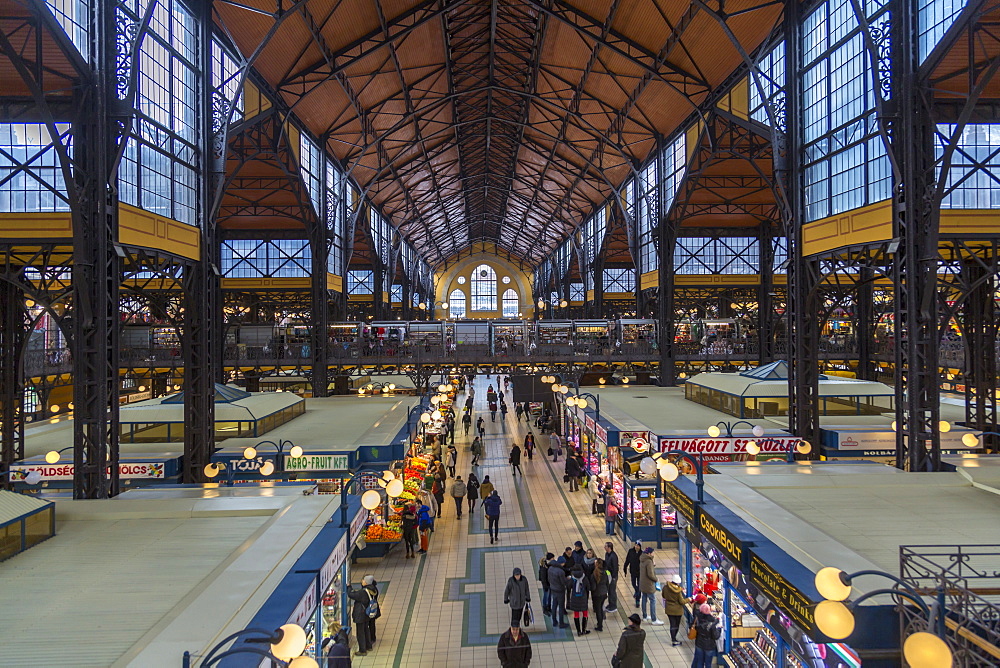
498	121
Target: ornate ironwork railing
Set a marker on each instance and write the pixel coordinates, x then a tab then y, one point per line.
968	578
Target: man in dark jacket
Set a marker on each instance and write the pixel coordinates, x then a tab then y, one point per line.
492	505
514	648
557	587
573	471
579	554
611	566
359	614
517	594
630	646
632	566
410	539
543	577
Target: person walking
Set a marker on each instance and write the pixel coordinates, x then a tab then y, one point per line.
486	488
493	411
503	412
481	427
707	633
467	422
599	594
458	492
543	577
514	648
572	471
673	606
492	505
647	586
477	450
611	565
630	650
578	598
632	567
452	460
516	594
515	461
473	491
557	588
362	598
529	445
410	520
518	411
555	445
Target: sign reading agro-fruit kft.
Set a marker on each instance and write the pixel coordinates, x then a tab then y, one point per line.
316	463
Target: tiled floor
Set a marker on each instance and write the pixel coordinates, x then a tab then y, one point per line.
446	608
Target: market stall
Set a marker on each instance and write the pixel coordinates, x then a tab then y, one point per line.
644	514
766	618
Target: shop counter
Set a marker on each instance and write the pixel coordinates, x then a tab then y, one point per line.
644	513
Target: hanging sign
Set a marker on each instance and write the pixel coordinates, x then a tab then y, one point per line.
782	593
718	535
680	501
316	463
126	470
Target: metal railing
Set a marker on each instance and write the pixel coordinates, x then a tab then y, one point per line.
969	577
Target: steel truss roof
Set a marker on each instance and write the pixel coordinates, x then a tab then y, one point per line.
498	121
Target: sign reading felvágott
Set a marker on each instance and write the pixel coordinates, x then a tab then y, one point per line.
774	445
316	463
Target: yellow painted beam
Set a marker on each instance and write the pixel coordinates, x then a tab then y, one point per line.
868	224
970	222
334	282
54	225
266	284
137	227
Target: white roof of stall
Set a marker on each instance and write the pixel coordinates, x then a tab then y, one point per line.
253	407
741	385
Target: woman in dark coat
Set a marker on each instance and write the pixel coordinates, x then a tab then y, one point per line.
578	597
473	491
515	460
599	594
529	445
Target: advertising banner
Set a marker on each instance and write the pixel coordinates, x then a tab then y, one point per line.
317	463
722	449
126	470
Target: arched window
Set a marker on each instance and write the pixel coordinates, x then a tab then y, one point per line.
456	304
510	304
484	289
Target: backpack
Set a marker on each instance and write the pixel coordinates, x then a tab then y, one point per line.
372	609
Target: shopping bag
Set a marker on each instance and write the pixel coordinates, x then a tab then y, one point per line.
527	614
692	633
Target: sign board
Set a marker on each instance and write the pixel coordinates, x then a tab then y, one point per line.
679	500
601	433
782	593
126	470
730	546
872	441
357	526
705	445
591	424
316	463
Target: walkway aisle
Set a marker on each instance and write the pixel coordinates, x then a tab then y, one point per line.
445	609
